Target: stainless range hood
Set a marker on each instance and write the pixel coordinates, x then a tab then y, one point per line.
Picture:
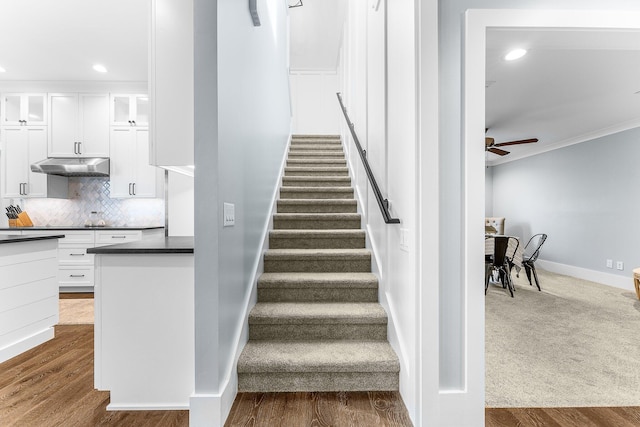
73	167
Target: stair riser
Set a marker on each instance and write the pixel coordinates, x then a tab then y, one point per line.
316	163
297	224
289	194
306	243
319	139
317	381
315	147
317	332
313	156
315	183
317	295
319	265
317	208
310	172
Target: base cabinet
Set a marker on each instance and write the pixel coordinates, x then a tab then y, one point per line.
75	265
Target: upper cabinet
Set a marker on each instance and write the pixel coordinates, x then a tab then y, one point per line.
171	83
79	125
24	109
131	174
129	110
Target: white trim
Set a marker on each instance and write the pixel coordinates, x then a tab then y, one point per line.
205	410
613	280
27	343
165	407
312	71
473	105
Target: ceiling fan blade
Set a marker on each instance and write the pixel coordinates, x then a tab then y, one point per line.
498	151
522	141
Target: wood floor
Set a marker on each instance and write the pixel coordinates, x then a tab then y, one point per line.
52	385
318	409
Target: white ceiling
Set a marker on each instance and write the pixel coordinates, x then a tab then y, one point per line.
60	40
571	86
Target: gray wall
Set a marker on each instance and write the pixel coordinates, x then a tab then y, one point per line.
242	121
488	188
583	196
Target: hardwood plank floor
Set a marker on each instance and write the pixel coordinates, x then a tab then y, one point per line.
318	409
563	417
52	385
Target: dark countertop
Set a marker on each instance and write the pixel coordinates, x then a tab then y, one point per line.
15	238
54	228
164	245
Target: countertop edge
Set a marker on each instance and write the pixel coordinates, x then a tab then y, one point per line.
157	246
9	238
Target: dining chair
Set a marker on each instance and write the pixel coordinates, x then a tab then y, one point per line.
528	261
501	263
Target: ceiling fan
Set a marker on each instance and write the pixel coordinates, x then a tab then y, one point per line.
491	146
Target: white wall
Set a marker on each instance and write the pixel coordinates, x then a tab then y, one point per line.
488	196
242	123
180	204
314	102
378	74
582	197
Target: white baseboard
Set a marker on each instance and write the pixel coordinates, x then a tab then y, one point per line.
143	407
205	411
608	279
27	343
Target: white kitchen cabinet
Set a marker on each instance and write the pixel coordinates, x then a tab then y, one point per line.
129	110
24	109
22	146
79	125
131	175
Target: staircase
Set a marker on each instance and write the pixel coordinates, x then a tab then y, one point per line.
317	325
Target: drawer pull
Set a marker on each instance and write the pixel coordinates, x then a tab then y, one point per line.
118	237
76	254
76	275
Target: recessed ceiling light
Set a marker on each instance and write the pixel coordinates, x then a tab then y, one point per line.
2	70
515	54
100	68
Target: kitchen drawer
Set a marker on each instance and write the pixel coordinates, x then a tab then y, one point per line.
69	276
77	237
74	256
115	237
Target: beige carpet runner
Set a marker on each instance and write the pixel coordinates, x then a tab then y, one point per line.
317	325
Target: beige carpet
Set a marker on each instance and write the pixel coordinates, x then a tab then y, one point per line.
76	311
576	343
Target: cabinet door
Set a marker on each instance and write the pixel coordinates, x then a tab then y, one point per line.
121	110
24	109
122	163
94	125
37	141
141	116
145	174
15	158
63	129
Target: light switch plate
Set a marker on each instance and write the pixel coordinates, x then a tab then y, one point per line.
619	265
229	215
404	239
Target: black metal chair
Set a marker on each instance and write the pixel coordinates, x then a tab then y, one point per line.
528	262
500	263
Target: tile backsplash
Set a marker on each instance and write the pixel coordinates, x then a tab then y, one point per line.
89	194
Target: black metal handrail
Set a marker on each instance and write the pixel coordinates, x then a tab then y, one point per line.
382	202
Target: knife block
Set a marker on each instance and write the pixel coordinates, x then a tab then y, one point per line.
24	220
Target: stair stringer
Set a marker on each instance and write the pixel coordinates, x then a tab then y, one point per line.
229	387
393	335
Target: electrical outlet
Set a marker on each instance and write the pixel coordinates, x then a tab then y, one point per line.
620	265
609	263
229	215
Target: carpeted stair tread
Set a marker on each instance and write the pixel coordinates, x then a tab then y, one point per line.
316	193
317	312
316	253
322	137
315	171
317	206
314	356
294	155
315	147
319	239
334	221
322	181
307	280
319	162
